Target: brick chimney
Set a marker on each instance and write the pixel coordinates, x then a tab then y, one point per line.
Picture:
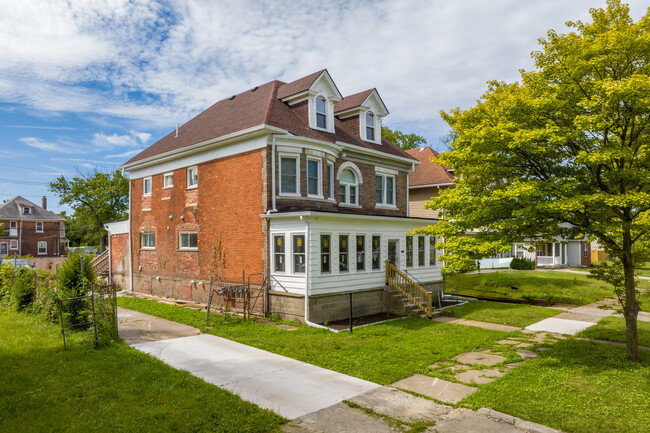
44	202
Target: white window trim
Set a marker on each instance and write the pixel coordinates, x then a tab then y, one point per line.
331	183
154	241
381	253
329	113
373	126
14	223
293	253
7	246
362	127
196	185
384	203
164	180
319	192
284	240
320	253
144	184
13	242
338	253
42	230
182	248
347	186
38	248
295	156
29	210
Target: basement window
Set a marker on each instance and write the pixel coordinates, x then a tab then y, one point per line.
188	241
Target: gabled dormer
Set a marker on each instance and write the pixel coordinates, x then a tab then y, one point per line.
366	107
320	93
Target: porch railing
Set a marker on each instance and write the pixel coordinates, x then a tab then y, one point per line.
409	288
101	264
549	260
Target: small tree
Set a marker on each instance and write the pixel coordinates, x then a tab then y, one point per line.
71	283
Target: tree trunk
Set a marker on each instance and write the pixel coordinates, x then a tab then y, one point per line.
102	239
631	306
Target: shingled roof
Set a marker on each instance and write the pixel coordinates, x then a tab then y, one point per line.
13	209
255	107
428	172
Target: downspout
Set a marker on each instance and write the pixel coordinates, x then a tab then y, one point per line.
110	258
308	279
273	209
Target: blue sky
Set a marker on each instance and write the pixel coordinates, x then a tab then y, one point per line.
84	85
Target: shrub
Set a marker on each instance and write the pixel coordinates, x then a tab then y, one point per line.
6	283
45	301
522	264
71	284
23	289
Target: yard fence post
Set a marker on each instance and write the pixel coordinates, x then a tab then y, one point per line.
207	310
350	312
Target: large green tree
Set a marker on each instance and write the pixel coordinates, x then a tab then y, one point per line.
564	152
96	199
403	140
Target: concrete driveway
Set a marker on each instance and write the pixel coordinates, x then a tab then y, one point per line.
288	387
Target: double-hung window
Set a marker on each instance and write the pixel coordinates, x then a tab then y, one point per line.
376	252
325	253
148	240
27	210
289	169
385	190
314	182
42	247
168	180
192	177
39	226
321	112
13	244
409	251
421	251
432	250
330	180
370	126
298	254
278	253
348	186
146	186
361	253
188	240
343	253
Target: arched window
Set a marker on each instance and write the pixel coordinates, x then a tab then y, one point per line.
370	126
321	112
348	187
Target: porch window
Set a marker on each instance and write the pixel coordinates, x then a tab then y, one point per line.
42	247
325	253
348	187
298	254
289	175
409	251
420	250
361	253
278	253
432	250
188	240
376	252
343	253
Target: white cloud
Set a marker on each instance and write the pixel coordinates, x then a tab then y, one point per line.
48	146
157	64
127	154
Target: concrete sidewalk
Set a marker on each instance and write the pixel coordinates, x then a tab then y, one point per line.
290	388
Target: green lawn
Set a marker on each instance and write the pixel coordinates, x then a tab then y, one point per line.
578	387
613	329
644	300
114	389
503	313
560	287
381	353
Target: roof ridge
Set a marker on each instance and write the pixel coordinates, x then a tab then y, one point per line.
272	97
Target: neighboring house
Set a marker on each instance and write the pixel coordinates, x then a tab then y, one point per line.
290	180
426	181
563	252
31	230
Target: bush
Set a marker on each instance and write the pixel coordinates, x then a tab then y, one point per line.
71	284
522	264
45	301
6	283
23	289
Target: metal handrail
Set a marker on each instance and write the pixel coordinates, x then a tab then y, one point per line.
408	287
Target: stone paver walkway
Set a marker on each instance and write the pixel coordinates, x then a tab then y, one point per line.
484	325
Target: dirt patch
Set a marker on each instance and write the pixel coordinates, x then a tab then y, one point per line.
361	321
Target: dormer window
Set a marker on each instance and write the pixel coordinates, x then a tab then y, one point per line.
321	112
27	210
370	126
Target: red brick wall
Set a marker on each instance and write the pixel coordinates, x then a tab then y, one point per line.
119	246
225	210
28	242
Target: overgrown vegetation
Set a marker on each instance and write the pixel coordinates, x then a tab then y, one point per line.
578	387
72	283
376	353
613	329
503	313
117	389
548	286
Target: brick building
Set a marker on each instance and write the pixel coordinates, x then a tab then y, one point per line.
31	230
291	180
